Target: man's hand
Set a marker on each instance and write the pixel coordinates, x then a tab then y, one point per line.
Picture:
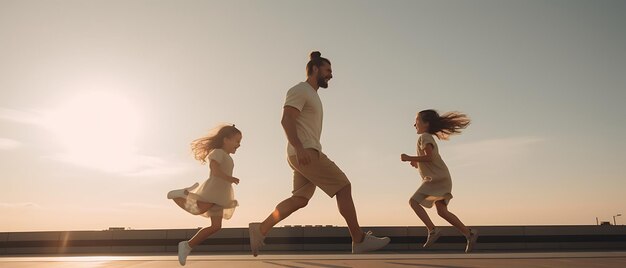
414	164
234	180
304	156
405	157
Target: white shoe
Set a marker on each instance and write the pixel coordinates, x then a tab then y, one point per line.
181	192
256	237
183	251
471	240
432	237
370	243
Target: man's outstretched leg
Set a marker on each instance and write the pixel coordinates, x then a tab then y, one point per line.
258	230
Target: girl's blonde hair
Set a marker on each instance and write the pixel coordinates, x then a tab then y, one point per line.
201	147
444	125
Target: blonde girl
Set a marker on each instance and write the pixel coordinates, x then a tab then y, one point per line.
214	198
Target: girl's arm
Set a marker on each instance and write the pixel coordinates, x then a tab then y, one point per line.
217	171
428	157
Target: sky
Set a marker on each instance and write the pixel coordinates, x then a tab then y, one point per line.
99	101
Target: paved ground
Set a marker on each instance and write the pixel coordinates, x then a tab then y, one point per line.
439	260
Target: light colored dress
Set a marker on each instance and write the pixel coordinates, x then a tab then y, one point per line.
215	190
436	180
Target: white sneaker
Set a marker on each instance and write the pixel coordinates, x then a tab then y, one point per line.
432	237
183	251
370	243
181	192
256	237
471	240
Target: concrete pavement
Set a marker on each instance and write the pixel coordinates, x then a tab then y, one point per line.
340	260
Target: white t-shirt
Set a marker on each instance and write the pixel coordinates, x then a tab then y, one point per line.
309	124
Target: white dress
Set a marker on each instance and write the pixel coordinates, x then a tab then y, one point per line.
436	179
215	190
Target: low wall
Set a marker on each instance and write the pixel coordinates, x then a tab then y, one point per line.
492	238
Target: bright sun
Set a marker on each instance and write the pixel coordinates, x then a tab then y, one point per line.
98	130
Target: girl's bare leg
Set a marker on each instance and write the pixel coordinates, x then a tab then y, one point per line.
180	202
202	206
421	213
442	210
204	233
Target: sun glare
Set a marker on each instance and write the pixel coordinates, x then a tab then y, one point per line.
97	129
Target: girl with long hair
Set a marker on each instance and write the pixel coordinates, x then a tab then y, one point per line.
436	185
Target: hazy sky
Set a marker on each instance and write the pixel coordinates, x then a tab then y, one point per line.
100	99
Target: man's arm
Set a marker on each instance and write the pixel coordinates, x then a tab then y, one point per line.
290	114
289	125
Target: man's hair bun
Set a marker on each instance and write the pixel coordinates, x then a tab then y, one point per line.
315	55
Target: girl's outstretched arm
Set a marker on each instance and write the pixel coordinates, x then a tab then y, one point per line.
217	171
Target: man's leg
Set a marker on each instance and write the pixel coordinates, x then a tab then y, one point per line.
258	230
282	211
347	210
361	242
303	191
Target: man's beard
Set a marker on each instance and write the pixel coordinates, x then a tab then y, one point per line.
321	81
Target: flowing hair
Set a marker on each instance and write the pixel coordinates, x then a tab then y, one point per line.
201	147
444	125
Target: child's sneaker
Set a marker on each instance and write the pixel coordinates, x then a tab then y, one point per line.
183	251
370	243
256	237
432	237
181	192
471	240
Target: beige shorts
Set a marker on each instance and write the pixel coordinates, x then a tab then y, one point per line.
320	172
